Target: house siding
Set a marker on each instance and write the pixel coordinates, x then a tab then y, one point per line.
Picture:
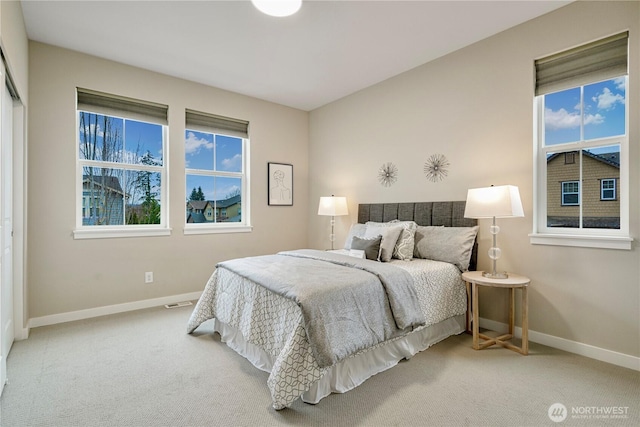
597	213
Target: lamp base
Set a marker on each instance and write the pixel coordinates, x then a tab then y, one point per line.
496	275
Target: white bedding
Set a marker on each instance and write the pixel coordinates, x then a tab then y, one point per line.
268	330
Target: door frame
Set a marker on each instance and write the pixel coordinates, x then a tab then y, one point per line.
20	317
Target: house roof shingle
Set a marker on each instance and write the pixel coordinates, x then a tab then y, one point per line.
111	182
612	159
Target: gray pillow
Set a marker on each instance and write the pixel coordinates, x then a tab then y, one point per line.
421	232
389	238
355	230
448	244
371	247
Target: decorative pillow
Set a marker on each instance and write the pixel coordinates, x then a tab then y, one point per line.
406	241
389	238
448	244
371	247
355	230
404	246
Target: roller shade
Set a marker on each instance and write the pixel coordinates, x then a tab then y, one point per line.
601	60
119	106
196	120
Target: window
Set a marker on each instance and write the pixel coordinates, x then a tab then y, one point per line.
121	146
570	158
608	189
216	174
570	193
582	146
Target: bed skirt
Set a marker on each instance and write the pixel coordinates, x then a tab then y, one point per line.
352	371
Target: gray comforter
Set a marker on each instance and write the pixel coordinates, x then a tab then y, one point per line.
347	304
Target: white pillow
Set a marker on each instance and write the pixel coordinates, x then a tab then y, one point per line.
448	244
355	230
389	235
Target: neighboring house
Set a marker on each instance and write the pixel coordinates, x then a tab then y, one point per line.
202	207
195	217
599	198
226	210
102	200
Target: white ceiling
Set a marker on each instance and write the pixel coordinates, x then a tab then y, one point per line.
328	50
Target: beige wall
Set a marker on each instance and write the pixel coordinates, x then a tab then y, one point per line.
475	106
67	275
15	44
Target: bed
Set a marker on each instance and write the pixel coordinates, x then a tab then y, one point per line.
279	334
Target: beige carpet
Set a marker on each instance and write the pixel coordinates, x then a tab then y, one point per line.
142	369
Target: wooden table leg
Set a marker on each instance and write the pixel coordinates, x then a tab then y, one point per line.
468	286
511	310
525	320
474	311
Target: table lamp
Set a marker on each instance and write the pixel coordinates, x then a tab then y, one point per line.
333	207
502	201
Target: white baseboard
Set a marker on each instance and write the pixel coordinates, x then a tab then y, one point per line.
22	334
575	347
54	319
3	374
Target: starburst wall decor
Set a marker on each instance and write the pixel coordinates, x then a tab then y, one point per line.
388	174
436	167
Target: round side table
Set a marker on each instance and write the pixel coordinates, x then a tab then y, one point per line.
473	279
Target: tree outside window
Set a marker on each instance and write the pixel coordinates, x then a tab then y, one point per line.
122	168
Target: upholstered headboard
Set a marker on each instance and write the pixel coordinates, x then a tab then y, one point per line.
448	214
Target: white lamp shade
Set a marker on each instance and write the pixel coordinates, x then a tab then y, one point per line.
333	206
277	8
502	201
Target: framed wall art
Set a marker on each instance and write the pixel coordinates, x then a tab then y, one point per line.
280	179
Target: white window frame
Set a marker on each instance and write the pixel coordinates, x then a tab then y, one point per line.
116	231
579	237
563	193
600	60
613	189
244	226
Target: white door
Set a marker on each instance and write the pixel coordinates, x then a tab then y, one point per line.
7	333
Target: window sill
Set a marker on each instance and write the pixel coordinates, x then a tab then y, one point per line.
216	229
111	233
602	242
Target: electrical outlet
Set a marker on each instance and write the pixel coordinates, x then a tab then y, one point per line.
148	277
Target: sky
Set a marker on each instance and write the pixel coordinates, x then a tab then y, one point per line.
139	137
604	112
203	152
143	137
209	152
